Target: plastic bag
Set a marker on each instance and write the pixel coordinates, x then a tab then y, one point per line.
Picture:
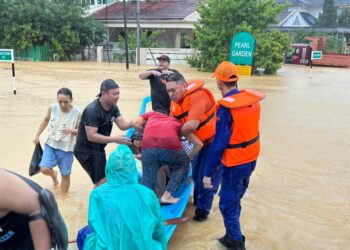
36	158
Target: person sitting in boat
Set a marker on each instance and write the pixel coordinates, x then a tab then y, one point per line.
163	173
161	145
136	143
29	216
122	213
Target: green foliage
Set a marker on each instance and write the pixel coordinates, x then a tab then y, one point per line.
221	19
194	61
269	50
148	39
299	35
335	43
344	18
58	23
328	18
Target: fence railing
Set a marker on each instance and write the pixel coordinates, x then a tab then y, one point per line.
148	56
118	55
35	53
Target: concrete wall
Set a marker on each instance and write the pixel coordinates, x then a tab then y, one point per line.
177	56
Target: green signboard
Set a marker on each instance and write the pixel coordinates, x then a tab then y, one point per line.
316	55
6	55
242	49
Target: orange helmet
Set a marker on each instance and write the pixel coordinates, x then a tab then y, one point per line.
226	72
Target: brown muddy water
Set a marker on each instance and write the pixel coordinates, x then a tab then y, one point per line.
299	195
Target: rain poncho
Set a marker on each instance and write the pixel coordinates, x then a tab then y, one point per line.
122	213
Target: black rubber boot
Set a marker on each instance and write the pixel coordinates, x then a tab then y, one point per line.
200	215
232	244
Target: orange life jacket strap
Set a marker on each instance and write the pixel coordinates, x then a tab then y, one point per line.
243	144
206	120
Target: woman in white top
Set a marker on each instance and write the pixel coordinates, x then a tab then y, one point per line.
62	120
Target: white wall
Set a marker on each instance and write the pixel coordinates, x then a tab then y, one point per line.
177	56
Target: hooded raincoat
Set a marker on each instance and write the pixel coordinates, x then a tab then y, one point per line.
122	213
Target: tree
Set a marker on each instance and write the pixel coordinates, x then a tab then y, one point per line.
328	18
147	39
269	46
344	18
58	23
221	19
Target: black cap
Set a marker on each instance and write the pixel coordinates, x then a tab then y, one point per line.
164	57
107	85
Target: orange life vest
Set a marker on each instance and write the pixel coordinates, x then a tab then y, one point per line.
207	122
244	144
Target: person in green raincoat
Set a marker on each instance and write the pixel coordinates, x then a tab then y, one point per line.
122	213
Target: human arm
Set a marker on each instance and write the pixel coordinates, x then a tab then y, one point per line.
219	144
17	196
200	103
122	124
72	131
197	145
93	136
138	122
189	127
148	73
42	126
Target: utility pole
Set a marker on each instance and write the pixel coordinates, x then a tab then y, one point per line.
107	34
138	34
126	37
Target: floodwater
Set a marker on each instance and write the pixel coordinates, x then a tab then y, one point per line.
299	195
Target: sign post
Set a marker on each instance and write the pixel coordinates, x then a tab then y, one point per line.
315	55
6	55
242	52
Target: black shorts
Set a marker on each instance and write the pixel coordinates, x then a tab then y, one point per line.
93	163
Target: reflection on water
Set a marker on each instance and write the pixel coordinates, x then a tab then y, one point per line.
299	195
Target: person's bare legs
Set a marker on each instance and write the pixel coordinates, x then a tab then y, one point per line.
168	198
100	182
52	173
65	183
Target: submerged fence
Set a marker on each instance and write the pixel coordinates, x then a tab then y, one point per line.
35	53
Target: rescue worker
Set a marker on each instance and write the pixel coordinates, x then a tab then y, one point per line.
237	145
194	106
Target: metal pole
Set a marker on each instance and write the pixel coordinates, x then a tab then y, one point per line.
310	72
107	34
13	73
126	37
138	35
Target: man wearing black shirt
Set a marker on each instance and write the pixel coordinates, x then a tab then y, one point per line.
95	128
159	95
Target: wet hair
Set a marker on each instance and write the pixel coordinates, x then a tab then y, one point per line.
176	77
65	91
231	84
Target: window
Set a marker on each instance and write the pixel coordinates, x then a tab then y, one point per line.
183	43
